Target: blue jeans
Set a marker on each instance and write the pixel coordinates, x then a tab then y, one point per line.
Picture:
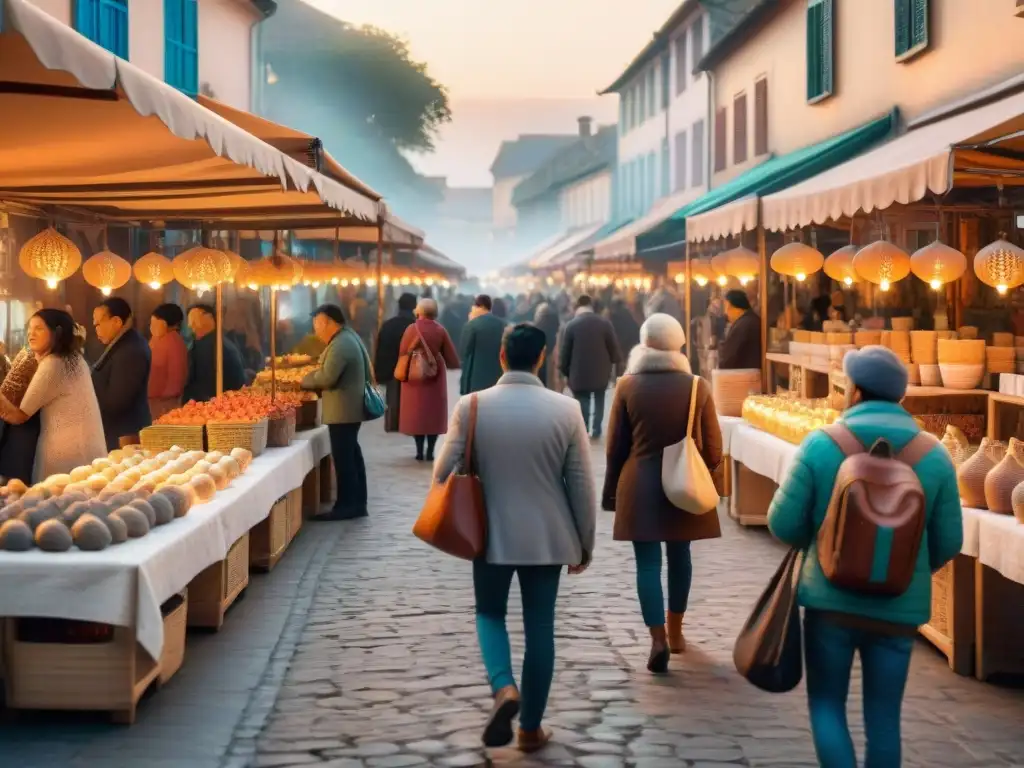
885	661
595	422
538	585
648	579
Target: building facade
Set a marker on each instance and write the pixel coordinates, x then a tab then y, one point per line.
797	72
194	46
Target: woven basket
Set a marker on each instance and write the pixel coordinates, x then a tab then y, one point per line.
946	334
310	414
172	655
924	347
897	341
1000	355
961	352
281	432
970	476
160	437
839	338
1002	339
902	323
931	376
967	332
731	388
962	375
972	425
867	338
225	435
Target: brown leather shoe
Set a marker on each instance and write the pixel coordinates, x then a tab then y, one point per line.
498	731
676	641
533	741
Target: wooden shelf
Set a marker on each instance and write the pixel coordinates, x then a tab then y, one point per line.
999	397
778	357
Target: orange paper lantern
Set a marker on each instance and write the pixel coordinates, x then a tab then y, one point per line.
277	272
235	262
938	264
701	272
1001	265
50	256
741	263
797	260
839	265
107	271
882	263
200	268
154	270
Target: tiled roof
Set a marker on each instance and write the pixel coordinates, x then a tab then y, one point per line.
657	44
527	153
585	156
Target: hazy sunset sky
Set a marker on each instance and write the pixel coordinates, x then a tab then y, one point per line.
512	66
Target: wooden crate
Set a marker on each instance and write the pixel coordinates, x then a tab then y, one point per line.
311	492
213	591
103	676
269	538
751	496
951	627
999	624
295	511
328	489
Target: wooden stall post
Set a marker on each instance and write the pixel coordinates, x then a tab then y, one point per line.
380	281
762	252
687	303
220	339
273	343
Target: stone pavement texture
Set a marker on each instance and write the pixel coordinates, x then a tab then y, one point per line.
359	650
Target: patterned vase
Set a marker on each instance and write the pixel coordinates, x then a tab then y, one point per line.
955	442
971	474
1004	477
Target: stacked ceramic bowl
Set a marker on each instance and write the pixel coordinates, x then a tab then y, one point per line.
925	355
961	362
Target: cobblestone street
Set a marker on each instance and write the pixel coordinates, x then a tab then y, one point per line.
359	650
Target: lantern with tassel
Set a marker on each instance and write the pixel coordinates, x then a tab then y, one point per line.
50	256
797	260
154	270
938	264
201	268
882	263
839	265
741	263
1001	265
107	271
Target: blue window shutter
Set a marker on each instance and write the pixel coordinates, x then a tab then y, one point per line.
911	26
820	53
181	45
85	18
105	22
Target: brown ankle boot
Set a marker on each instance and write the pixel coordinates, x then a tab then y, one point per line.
498	731
657	662
533	741
676	641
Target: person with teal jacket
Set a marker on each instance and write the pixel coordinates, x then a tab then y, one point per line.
839	623
480	349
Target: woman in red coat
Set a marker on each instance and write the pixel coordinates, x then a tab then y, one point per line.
424	413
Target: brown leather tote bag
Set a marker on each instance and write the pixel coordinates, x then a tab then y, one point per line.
454	516
768	651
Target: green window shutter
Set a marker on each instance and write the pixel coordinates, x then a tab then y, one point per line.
820	49
911	26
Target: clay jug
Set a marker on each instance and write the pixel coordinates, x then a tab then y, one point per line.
971	474
1017	499
955	442
1004	477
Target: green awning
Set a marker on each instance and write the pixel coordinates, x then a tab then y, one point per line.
774	174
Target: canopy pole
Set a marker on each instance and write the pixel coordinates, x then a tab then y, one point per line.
273	331
687	303
762	252
219	294
380	282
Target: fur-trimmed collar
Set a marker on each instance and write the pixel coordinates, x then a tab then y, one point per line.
646	360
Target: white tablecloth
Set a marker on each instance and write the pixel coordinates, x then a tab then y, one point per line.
728	425
127	583
1001	544
764	454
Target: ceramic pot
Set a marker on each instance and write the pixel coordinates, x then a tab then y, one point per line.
931	376
1017	501
970	477
961	375
1004	477
731	388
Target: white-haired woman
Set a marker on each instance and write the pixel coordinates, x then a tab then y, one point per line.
424	413
650	411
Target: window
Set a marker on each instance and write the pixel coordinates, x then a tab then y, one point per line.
666	71
819	50
681	149
640	180
627	110
181	45
720	139
666	169
739	129
698	153
681	71
651	90
625	191
697	33
623	112
652	180
911	27
642	111
105	22
761	117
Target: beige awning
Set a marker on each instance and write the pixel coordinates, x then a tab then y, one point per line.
548	258
91	133
396	233
622	243
724	221
980	147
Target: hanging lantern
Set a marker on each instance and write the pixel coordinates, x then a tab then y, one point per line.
701	272
235	262
277	272
201	268
938	264
107	271
741	263
154	270
1001	265
882	263
50	256
797	260
839	265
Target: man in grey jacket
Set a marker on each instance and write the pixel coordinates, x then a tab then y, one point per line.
541	515
341	380
587	355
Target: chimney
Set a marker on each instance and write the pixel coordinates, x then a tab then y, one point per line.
585	125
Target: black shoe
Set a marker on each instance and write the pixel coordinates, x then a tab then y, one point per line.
430	456
498	731
657	662
419	457
342	513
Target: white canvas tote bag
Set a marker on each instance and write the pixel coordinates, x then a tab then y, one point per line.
684	475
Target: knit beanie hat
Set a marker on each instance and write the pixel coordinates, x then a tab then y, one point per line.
661	331
877	370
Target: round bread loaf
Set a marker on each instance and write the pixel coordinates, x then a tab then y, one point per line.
145	508
118	529
53	536
15	536
91	534
137	522
163	509
180	499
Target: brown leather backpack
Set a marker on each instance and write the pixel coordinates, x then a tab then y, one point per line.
875	522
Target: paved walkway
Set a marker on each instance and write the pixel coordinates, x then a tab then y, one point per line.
359	650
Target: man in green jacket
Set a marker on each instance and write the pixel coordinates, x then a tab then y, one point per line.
840	623
341	380
480	349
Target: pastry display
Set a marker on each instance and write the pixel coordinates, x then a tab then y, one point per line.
786	417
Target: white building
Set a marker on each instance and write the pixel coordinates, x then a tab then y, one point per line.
195	46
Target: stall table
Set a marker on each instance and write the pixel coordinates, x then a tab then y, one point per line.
999	591
728	424
760	462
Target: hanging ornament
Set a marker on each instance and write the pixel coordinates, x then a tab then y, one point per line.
236	263
938	264
1001	265
797	260
200	268
882	263
839	265
107	271
278	272
739	262
154	270
50	256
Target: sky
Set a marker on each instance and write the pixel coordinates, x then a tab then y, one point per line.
527	66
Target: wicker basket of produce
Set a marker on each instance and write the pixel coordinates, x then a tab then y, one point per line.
16	381
225	435
160	437
309	415
281	429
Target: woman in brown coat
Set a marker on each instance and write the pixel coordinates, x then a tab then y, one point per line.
650	411
424	412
